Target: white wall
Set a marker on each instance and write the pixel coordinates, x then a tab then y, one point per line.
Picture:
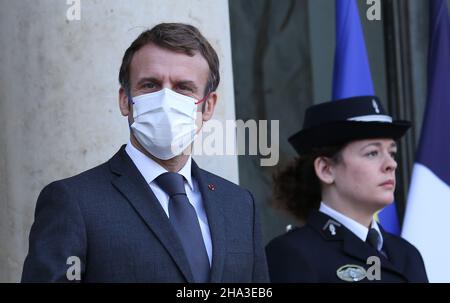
58	96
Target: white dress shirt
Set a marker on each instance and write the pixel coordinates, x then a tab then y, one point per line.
150	170
358	229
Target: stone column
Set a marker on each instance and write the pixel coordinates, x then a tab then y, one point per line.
59	110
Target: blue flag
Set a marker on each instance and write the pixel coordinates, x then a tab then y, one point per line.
428	208
351	76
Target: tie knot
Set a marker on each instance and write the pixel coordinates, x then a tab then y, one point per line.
373	238
171	183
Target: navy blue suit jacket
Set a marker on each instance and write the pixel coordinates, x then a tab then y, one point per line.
110	219
313	253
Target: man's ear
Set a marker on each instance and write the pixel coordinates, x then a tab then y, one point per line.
209	106
324	169
124	105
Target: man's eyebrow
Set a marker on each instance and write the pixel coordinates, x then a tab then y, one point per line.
147	79
188	83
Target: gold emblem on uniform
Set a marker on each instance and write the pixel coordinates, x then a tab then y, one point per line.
351	273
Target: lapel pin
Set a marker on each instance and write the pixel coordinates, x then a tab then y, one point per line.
211	187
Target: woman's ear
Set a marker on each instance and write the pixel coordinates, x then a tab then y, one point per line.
324	169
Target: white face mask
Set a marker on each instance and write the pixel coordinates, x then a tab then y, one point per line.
164	122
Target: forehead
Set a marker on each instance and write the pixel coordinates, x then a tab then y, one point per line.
154	61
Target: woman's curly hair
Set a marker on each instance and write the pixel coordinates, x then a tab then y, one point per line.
297	188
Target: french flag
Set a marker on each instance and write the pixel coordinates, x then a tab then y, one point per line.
427	217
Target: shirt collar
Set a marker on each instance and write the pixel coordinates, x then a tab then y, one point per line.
150	169
357	228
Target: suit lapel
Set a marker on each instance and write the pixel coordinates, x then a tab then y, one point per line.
135	189
212	202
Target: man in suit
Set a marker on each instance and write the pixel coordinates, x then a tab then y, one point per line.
150	214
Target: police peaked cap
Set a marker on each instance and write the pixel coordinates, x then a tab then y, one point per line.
344	120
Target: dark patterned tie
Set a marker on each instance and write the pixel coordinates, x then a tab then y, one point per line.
373	238
184	219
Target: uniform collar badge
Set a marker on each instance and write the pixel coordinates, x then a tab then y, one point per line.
331	226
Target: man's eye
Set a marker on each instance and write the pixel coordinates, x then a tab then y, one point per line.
185	88
394	154
149	85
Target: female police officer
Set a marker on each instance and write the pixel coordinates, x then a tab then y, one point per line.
344	174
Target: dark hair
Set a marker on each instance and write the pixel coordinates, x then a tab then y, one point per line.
297	188
176	37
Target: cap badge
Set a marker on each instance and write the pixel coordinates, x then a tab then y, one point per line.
375	106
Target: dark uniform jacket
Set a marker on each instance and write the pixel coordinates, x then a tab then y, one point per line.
317	252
